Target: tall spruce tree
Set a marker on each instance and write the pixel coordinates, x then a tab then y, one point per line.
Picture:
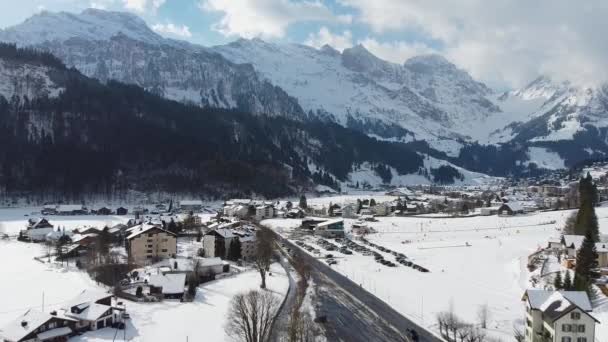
586	264
557	282
567	285
303	204
234	251
586	220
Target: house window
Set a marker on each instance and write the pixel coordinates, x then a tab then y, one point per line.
581	328
566	327
575	315
149	251
566	339
164	250
149	246
150	240
581	339
150	234
52	325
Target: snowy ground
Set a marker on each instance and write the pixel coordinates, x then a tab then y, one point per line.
492	270
24	280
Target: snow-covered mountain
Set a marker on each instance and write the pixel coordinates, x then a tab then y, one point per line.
120	46
426	98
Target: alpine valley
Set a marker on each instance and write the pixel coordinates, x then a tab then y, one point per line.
131	110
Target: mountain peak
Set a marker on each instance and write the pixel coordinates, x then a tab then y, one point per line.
92	24
429	60
358	58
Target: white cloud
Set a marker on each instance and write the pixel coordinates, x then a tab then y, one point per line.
266	18
172	29
505	43
396	51
325	36
143	5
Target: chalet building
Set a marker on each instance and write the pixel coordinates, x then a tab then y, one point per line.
37	229
349	211
331	228
49	209
558	316
509	209
148	242
264	212
169	285
572	243
35	326
104	211
71	209
191	206
240	211
122	211
216	243
92	310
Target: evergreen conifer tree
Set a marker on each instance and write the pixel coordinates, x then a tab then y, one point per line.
557	282
303	203
234	251
567	284
586	220
586	264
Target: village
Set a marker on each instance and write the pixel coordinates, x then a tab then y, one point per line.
424	236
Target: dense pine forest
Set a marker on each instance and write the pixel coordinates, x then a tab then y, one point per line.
110	138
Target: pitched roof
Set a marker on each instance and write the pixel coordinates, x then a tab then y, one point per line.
144	228
329	222
16	330
573	241
172	283
90	311
554	304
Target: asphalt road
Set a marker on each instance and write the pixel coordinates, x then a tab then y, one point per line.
354	314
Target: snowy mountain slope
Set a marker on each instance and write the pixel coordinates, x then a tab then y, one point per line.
91	24
365	174
427	95
120	46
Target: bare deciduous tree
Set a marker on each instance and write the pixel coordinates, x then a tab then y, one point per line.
483	314
251	315
300	327
518	334
264	253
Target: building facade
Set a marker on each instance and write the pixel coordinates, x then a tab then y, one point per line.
146	243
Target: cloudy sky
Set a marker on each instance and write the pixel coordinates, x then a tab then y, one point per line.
505	43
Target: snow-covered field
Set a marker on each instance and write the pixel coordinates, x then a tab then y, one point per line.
490	271
24	280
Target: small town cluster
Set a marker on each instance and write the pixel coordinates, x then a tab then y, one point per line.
164	251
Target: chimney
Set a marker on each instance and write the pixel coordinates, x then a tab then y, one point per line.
53	313
24	324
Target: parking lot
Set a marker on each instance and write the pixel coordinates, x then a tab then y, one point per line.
332	251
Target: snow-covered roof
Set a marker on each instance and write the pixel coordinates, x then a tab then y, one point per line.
515	206
191	202
546	300
69	207
16	330
90	311
172	283
208	262
226	233
573	240
601	247
87	296
143	229
329	222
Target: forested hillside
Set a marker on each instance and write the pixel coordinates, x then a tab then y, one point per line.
111	138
